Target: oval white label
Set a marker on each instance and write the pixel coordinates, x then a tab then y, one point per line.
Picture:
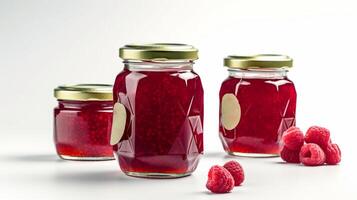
118	124
230	111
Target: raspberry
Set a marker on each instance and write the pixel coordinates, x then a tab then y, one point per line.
293	138
219	180
312	155
236	171
290	156
333	154
318	135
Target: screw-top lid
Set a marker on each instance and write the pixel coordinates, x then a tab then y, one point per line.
84	92
158	51
258	61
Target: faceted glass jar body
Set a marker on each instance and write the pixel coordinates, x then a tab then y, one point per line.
256	107
163	136
82	129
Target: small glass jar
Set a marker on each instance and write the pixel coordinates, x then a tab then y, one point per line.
82	122
158	111
257	104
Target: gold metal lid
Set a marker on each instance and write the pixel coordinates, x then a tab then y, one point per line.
258	61
84	92
158	51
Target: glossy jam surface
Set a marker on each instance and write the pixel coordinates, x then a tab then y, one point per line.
163	132
267	110
82	129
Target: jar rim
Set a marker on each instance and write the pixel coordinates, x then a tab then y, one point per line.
258	61
158	51
84	92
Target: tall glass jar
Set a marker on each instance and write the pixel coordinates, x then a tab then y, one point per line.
158	111
82	121
257	104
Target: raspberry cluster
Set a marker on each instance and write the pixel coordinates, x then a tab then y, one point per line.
223	179
318	148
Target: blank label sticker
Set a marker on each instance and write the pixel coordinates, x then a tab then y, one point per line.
118	125
230	111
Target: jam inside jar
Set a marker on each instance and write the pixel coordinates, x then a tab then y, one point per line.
163	105
82	122
257	104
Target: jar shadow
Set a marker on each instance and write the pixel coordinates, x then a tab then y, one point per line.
214	154
91	177
34	158
104	177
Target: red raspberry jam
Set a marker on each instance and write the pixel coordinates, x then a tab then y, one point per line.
163	100
257	104
82	122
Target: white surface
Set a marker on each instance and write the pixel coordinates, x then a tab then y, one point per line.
47	43
31	171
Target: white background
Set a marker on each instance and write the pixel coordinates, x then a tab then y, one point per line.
47	43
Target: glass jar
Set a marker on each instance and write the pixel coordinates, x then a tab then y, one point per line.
82	122
158	111
257	104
